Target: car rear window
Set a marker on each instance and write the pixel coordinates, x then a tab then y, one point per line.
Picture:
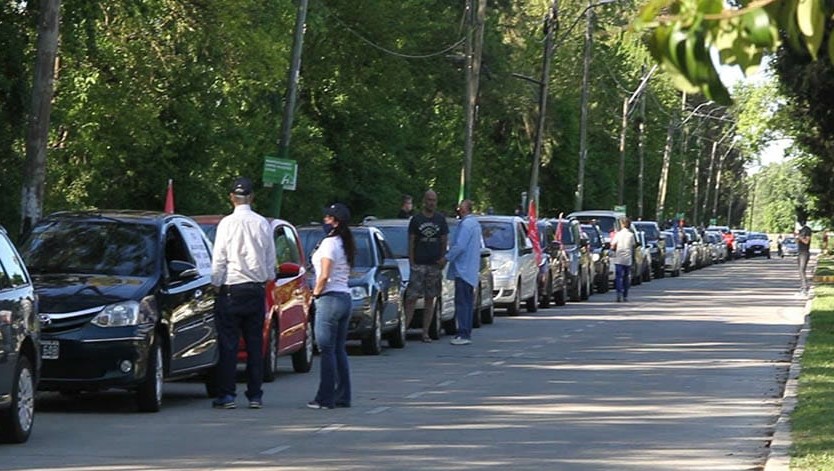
593	235
92	247
652	233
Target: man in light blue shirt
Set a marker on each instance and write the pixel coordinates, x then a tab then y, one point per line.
464	257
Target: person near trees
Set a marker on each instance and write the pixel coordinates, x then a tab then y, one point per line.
623	248
803	245
243	259
427	237
406	207
464	257
779	247
332	261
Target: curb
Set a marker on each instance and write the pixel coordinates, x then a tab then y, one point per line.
779	458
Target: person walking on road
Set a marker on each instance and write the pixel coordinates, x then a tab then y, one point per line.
803	245
464	257
779	247
427	235
623	247
332	261
243	261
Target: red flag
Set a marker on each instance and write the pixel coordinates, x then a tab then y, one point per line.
169	198
533	232
559	228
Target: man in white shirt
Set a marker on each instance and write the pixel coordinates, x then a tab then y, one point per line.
623	247
242	262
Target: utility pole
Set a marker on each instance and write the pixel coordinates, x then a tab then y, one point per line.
718	182
753	202
621	178
37	134
289	103
641	149
583	116
667	161
709	179
696	177
476	13
550	23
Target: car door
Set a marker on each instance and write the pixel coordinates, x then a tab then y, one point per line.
388	279
289	295
187	299
527	261
17	312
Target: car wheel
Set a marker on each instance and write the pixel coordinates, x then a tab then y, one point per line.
372	344
488	314
561	296
515	308
476	314
397	338
16	421
434	326
548	292
149	393
302	360
271	354
533	301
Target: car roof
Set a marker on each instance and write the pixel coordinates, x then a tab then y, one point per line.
597	212
215	219
121	215
496	218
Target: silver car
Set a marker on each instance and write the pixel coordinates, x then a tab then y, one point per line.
674	251
514	267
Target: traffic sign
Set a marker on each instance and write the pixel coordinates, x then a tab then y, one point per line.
620	208
280	171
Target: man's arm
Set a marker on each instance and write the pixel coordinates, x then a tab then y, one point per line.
219	256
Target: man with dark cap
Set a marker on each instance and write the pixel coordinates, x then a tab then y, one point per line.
243	261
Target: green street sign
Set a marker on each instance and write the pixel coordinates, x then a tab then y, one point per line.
713	222
283	172
620	208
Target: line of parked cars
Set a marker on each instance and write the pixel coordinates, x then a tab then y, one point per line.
97	300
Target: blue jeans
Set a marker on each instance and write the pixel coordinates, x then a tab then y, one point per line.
240	310
622	279
332	317
464	307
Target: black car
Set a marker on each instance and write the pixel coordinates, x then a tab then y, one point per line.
552	278
20	360
656	245
376	288
579	266
599	255
126	301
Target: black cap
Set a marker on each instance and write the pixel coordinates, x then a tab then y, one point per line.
242	186
338	211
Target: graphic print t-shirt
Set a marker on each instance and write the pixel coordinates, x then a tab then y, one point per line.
428	231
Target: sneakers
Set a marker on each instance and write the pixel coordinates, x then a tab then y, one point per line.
460	341
255	404
224	402
619	298
316	405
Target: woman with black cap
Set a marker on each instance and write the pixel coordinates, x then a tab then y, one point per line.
332	261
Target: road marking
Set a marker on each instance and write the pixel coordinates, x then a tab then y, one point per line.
579	330
277	449
446	383
537	346
566	336
589	325
415	395
516	355
498	363
330	428
474	373
378	410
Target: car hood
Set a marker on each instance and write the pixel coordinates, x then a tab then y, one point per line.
59	293
499	257
759	242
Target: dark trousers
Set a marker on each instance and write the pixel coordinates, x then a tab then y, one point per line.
240	311
464	307
622	279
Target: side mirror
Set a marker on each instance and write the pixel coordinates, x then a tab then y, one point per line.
288	270
181	270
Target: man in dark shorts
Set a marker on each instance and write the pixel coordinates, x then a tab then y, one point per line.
427	235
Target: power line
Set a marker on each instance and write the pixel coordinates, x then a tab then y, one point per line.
390	51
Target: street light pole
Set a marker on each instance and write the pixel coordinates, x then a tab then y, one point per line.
550	23
583	113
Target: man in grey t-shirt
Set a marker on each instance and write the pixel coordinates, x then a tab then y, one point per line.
803	245
623	247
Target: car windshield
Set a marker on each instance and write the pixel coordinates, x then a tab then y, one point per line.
92	247
789	240
397	238
362	239
669	240
593	236
649	229
498	235
606	224
757	237
311	238
210	229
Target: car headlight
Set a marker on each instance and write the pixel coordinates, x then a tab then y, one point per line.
118	315
358	292
504	268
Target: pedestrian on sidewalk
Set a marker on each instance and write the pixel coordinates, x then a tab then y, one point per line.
803	245
623	247
464	257
332	261
243	259
427	234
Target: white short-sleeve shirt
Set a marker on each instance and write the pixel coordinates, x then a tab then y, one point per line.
333	249
624	242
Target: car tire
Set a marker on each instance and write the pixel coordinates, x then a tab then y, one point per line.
16	421
544	303
561	296
488	314
149	392
396	339
533	301
372	344
271	354
435	325
514	309
302	360
476	313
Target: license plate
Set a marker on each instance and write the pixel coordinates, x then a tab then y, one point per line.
50	349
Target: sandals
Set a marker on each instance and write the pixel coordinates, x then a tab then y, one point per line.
426	339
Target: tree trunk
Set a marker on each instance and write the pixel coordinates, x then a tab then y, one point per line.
37	137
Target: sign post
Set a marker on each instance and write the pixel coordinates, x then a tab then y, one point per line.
284	174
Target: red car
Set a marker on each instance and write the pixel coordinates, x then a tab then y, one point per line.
288	328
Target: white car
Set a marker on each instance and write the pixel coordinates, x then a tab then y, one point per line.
674	252
514	267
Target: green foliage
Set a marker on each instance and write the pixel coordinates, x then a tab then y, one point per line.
779	189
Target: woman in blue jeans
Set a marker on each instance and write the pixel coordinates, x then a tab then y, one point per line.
332	260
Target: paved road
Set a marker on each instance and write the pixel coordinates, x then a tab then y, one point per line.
688	375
